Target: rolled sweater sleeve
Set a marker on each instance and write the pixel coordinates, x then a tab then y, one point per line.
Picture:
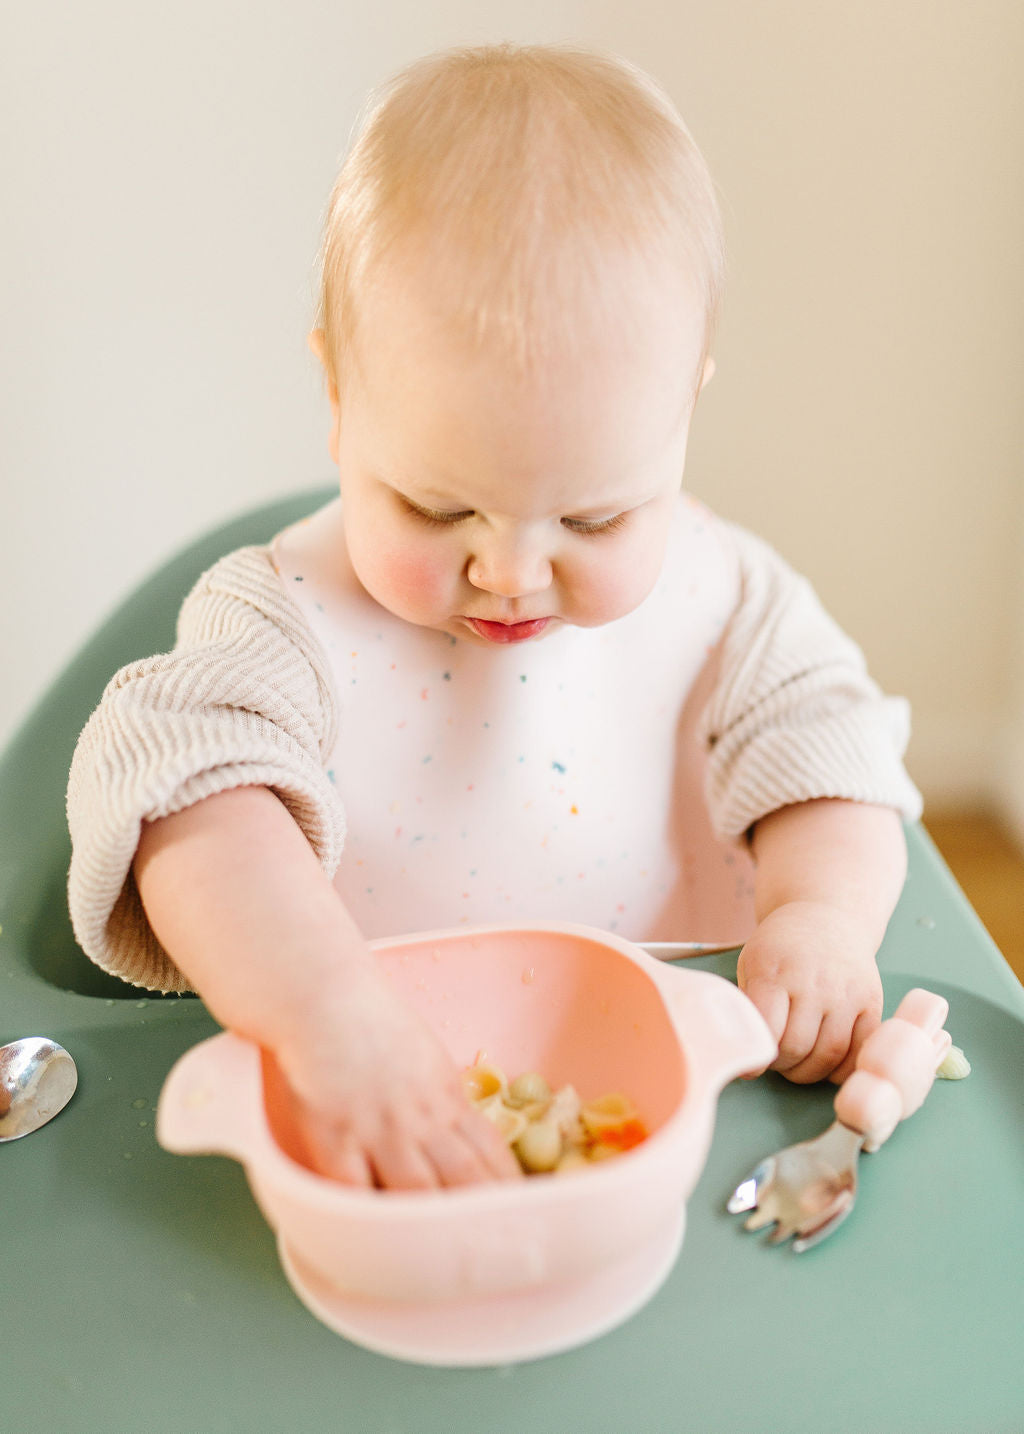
794	715
244	699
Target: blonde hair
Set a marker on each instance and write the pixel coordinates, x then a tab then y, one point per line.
526	166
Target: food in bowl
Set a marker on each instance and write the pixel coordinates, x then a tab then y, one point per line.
552	1131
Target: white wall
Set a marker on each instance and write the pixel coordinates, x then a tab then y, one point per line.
164	170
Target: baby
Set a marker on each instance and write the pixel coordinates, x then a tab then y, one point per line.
534	679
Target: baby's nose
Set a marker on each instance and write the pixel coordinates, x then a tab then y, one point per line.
510	569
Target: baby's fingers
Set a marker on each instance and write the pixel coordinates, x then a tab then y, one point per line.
865	1023
772	1002
465	1149
402	1161
469	1152
491	1147
344	1162
813	1045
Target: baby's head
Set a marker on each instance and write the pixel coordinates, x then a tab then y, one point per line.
522	266
527	178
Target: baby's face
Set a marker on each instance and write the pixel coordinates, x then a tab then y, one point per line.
497	507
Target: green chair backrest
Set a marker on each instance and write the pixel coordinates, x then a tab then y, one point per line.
34	843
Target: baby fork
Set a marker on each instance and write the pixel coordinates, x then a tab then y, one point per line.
808	1189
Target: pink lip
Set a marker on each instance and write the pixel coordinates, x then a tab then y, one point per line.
507	631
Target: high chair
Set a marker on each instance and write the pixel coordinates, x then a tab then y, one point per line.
142	1289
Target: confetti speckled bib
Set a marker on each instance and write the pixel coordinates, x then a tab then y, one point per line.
555	780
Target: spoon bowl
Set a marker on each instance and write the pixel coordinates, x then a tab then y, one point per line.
37	1079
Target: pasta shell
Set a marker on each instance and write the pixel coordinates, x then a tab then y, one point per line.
605	1112
539	1147
511	1123
612	1124
955	1065
530	1088
482	1081
565	1112
600	1151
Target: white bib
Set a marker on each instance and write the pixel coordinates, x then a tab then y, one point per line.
553	780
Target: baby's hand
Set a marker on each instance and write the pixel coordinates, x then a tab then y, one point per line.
811	973
375	1100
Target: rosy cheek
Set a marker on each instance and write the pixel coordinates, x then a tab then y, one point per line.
416	578
621	582
615	598
406	577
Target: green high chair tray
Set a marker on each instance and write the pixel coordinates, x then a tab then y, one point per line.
142	1291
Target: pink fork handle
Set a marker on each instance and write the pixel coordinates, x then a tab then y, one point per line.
895	1068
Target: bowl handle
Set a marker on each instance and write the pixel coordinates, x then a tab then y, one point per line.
211	1102
715	1022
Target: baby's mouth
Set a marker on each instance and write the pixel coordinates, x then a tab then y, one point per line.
504	632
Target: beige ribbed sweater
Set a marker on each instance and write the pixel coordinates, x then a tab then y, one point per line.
246	698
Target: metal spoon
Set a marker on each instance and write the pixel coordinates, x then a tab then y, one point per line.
37	1079
672	950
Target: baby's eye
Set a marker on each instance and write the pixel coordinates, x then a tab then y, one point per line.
599	525
433	517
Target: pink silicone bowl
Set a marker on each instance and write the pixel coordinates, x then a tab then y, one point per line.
579	1005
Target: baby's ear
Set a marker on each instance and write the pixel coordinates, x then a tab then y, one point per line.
318	346
317	341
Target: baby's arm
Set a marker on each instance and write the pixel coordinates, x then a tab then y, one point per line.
828	876
236	895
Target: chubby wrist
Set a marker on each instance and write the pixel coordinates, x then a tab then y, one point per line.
327	973
808	923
